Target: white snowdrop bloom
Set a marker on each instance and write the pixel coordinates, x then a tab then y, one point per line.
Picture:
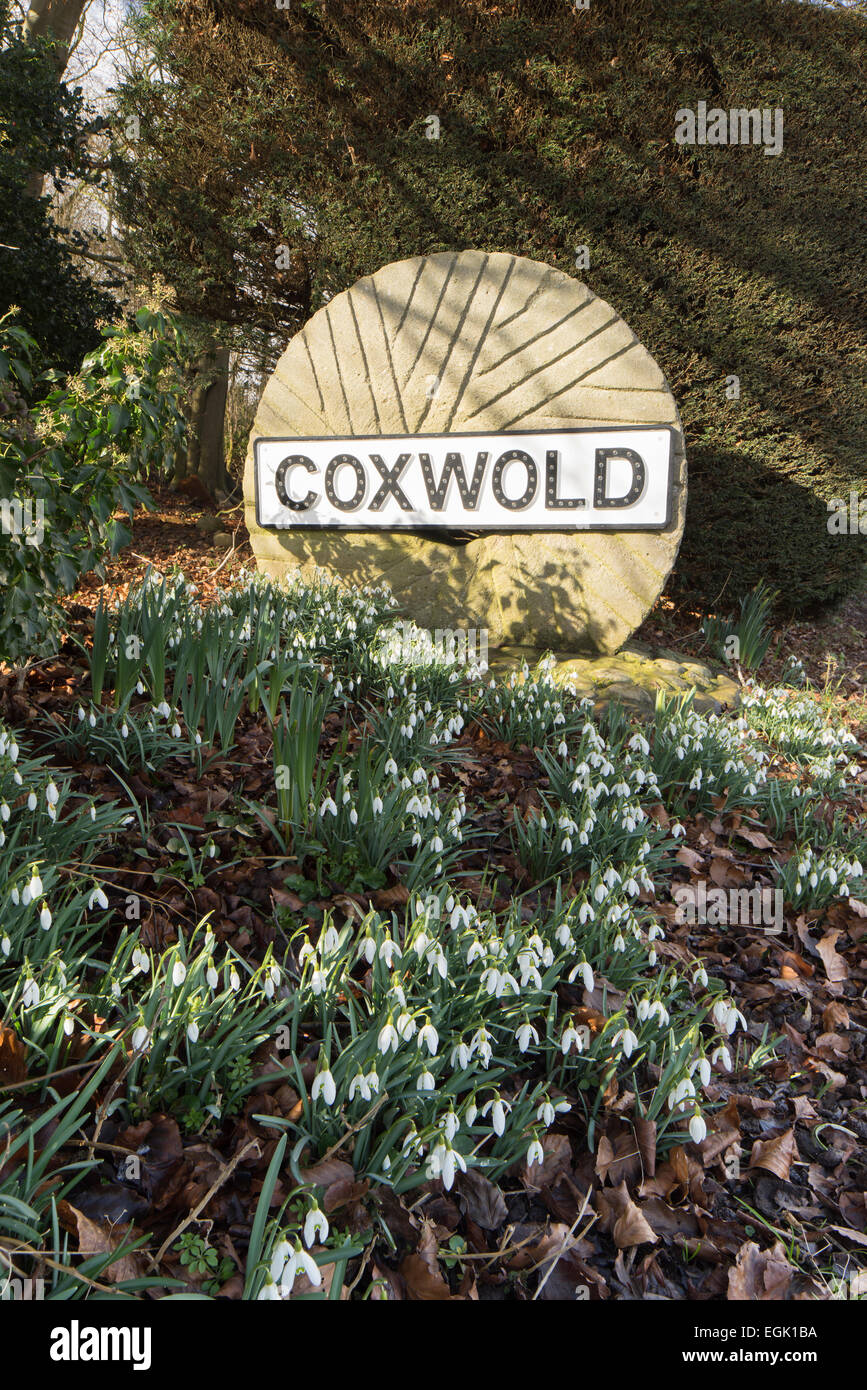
535	1154
586	913
328	805
388	1038
461	1056
436	845
139	1038
68	1026
600	892
115	988
733	1017
571	1037
678	830
316	1224
5	945
525	1035
32	803
391	767
98	897
359	1085
491	979
30	994
722	1055
93	813
52	795
704	1071
5	812
33	888
389	951
367	949
508	982
643	1010
697	1128
81	714
377	805
179	973
426	1082
193	1031
45	917
619	943
628	1041
234	979
700	978
164	709
450	1162
429	1038
438	962
481	1043
323	1085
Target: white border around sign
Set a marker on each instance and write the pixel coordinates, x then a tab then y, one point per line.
574	478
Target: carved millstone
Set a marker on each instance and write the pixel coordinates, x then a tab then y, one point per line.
471	342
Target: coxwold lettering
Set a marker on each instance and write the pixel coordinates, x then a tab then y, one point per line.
76	1343
618	478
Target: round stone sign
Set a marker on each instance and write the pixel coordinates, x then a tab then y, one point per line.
488	437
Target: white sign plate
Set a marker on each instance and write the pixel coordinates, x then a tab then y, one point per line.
615	479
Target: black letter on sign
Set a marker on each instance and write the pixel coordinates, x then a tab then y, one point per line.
295	461
360	482
515	504
454	464
390	483
639	477
552	501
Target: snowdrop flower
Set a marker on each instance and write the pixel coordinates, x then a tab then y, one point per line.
139	1038
461	1054
34	887
32	802
697	1128
406	1026
316	1224
426	1082
234	979
388	1038
428	1037
722	1055
30	994
388	951
45	917
5	945
571	1037
525	1035
481	1043
377	805
323	1085
535	1154
627	1040
98	897
52	795
179	973
700	977
193	1031
367	949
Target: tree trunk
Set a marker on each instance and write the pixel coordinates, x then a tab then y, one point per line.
204	457
212	458
57	19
